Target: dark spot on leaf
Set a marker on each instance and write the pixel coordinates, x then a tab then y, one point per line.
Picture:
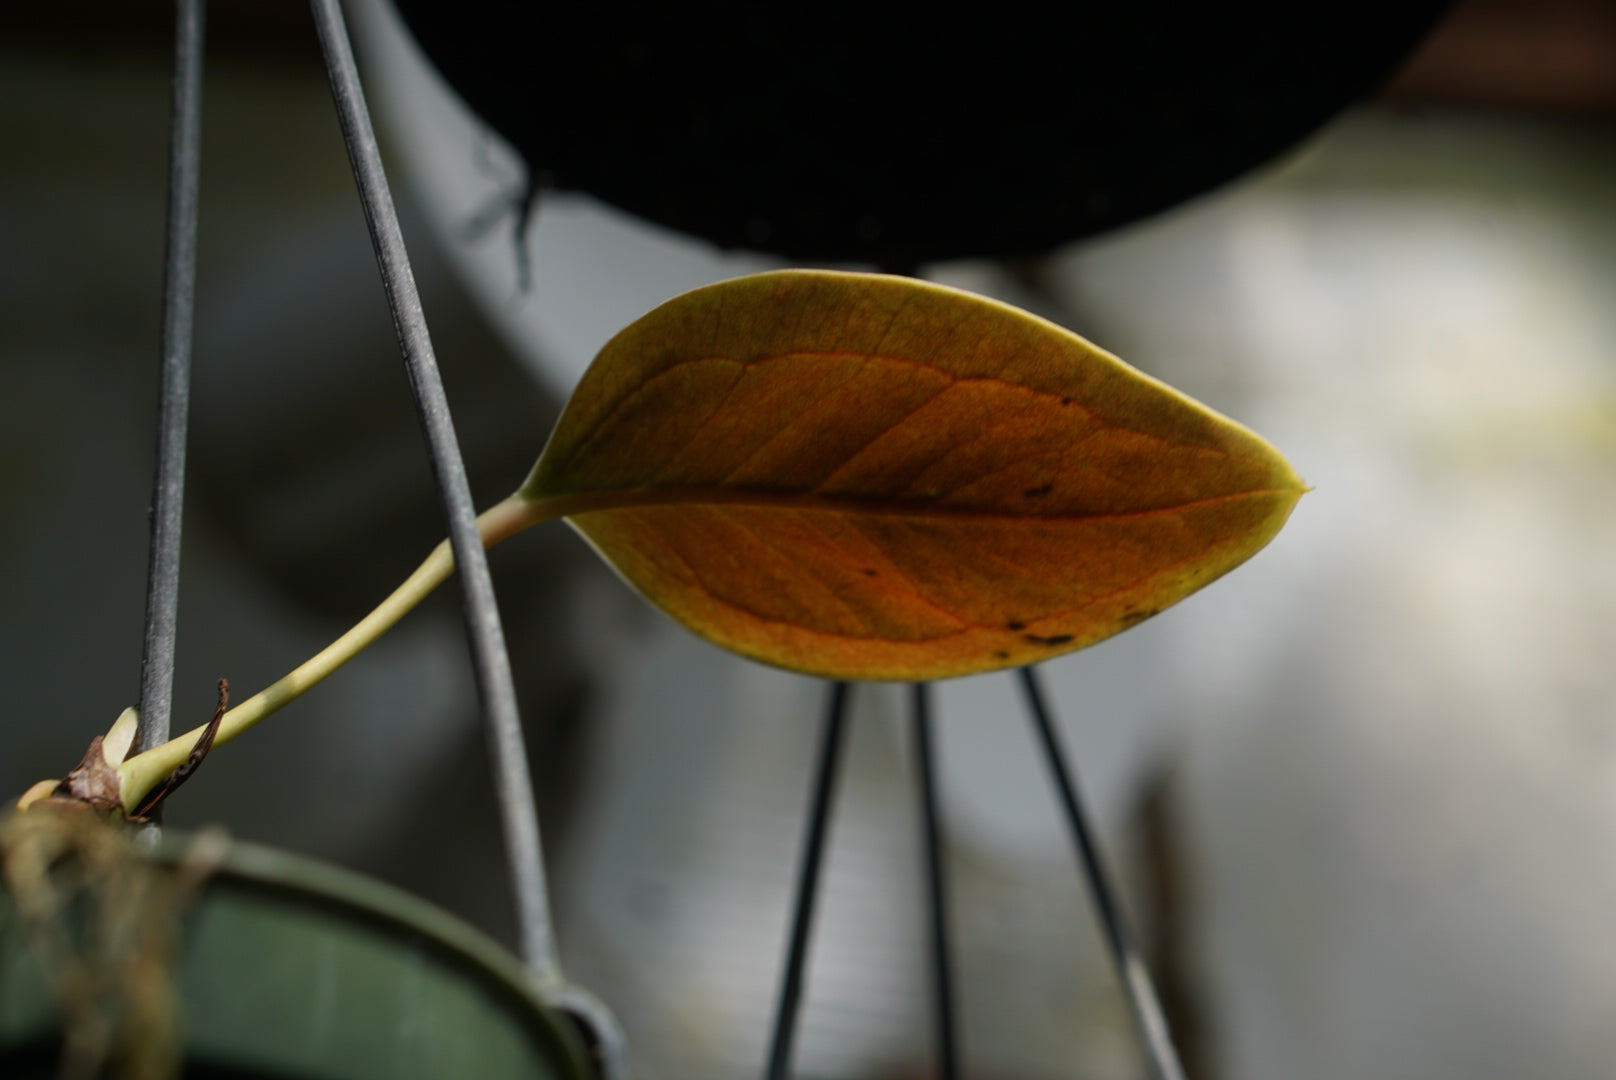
1066	401
1015	626
1042	489
1055	639
1001	654
1134	615
867	572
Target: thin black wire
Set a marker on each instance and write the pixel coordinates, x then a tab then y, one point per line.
802	918
1136	982
937	896
174	393
495	686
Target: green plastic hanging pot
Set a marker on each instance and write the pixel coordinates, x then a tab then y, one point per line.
286	967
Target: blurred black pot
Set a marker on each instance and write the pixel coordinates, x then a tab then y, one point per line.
906	132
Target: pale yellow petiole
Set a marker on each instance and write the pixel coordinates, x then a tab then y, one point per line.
139	774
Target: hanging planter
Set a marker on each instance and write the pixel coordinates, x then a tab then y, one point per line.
251	962
899	133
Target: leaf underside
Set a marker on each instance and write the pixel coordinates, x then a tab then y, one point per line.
863	476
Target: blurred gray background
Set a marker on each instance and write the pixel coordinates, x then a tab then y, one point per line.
1363	792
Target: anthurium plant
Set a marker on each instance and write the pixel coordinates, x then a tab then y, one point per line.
857	476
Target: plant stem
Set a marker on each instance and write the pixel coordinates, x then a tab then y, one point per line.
143	772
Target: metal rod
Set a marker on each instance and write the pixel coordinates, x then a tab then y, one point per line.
802	918
496	688
174	386
1136	982
937	897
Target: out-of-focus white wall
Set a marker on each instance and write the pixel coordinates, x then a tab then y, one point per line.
1396	750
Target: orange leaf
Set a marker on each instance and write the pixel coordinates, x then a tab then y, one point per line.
864	476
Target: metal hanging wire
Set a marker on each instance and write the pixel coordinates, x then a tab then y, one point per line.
174	392
945	1031
1143	1001
813	853
496	688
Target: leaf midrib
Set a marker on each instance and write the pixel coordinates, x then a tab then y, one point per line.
572	504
